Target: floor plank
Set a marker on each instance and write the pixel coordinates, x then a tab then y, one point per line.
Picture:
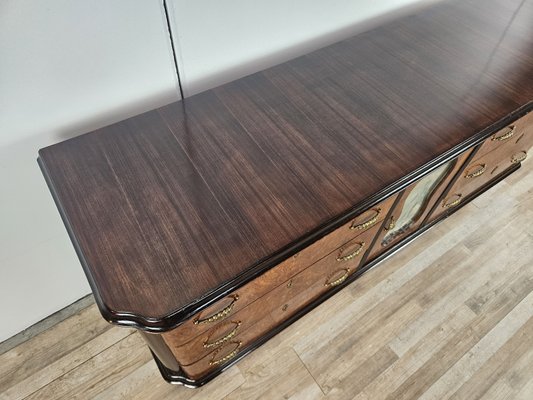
511	329
20	365
266	379
418	354
98	372
491	370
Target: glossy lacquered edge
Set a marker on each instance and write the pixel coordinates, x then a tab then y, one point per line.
172	320
179	378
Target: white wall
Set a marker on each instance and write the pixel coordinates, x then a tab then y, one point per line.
219	41
66	67
70	66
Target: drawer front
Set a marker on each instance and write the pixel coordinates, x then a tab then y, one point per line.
325	274
513	138
229	328
219	335
288	298
229	350
479	172
415	203
328	272
257	288
484	169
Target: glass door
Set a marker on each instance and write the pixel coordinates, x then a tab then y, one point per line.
414	204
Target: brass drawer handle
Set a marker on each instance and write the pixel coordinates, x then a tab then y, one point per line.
367	224
217	342
220	314
507	135
519	157
354	254
338	281
227	357
478	172
453	203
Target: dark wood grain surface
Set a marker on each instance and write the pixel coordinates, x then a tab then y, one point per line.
171	208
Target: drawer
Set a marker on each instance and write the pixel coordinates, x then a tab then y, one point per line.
484	169
230	349
314	280
257	288
325	274
225	331
514	137
288	298
478	173
361	224
230	327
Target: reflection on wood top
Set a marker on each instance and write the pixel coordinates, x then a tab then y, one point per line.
171	205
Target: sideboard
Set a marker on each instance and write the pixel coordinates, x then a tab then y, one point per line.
213	223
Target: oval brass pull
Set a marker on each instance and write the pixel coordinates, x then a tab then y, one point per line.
391	225
337	281
507	135
220	314
478	172
367	224
227	357
519	157
225	338
454	202
353	254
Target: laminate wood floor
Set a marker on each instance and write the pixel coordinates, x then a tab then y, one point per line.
447	317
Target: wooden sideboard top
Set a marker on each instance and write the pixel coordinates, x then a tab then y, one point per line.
172	209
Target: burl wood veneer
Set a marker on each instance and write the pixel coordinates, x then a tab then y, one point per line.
212	223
